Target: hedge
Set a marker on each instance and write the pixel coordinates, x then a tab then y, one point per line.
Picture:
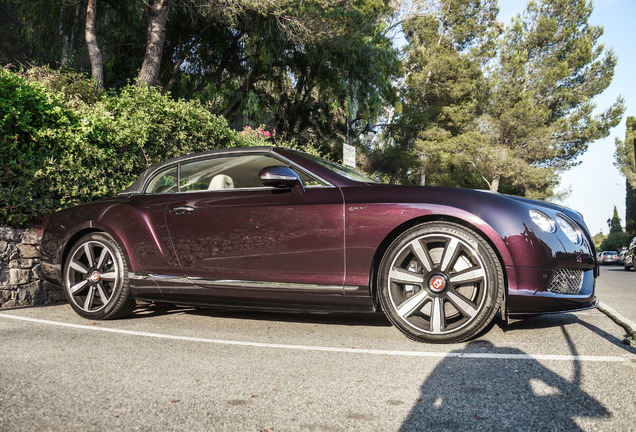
59	149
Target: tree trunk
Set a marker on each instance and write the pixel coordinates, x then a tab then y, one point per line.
68	39
394	175
423	172
175	71
494	184
94	52
155	40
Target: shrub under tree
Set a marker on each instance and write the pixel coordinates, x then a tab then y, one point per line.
59	150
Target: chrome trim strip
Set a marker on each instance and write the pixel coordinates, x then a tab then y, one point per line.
247	189
159	277
239	283
271	285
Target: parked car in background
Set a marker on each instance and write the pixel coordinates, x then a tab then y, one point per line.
609	257
277	229
628	258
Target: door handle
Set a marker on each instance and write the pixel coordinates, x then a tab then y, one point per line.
182	210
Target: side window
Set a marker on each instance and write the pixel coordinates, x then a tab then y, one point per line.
197	175
163	182
230	172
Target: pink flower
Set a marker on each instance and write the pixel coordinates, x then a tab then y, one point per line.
259	133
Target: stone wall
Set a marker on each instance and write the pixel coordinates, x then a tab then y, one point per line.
21	280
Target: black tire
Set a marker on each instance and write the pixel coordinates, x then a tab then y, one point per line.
440	282
96	278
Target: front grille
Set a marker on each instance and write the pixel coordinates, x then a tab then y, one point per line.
566	281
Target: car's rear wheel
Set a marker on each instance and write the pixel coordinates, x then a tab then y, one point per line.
96	278
440	282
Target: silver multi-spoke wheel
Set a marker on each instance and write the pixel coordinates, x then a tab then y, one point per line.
95	278
440	282
92	276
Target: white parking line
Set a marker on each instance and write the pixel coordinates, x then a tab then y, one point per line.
497	356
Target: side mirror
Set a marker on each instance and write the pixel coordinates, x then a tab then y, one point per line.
280	177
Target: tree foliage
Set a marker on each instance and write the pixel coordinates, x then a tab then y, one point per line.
508	110
615	223
468	101
300	68
625	162
598	240
550	67
615	242
61	148
444	86
617	238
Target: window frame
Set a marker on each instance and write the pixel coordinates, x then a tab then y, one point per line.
279	158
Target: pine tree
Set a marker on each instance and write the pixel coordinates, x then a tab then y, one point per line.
513	116
630	209
445	89
549	69
625	162
617	238
615	224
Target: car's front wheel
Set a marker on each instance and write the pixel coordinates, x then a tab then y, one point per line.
440	282
96	278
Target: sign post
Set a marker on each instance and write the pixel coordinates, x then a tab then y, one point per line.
349	155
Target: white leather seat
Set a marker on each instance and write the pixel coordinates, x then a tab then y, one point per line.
221	181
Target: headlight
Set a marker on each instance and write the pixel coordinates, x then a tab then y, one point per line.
571	231
542	220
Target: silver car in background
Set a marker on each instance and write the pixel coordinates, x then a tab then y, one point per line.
609	257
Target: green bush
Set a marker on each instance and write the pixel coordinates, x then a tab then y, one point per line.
34	126
140	127
615	242
59	149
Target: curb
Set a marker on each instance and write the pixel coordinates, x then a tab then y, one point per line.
628	325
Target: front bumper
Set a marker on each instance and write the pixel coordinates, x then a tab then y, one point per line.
535	291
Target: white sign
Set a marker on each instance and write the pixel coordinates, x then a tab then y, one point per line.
349	155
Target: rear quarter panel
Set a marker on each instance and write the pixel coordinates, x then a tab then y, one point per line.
137	223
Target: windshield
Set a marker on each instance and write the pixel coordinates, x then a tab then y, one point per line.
339	169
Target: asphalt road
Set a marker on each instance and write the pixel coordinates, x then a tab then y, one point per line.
202	370
617	288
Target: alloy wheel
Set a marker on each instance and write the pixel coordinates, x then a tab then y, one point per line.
92	276
440	283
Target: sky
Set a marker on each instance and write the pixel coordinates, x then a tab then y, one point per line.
596	186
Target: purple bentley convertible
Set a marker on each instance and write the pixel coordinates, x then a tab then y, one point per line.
276	229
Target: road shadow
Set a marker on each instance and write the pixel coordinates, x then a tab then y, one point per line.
561	320
331	318
518	394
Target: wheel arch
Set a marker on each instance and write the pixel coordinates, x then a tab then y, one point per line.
73	239
403	227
